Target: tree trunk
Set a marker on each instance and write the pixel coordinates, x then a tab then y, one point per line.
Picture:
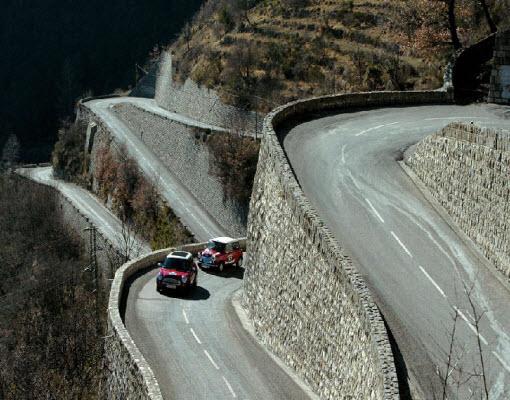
488	17
453	25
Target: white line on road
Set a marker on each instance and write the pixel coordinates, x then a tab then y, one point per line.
195	335
343	153
211	359
470	325
432	281
375	211
229	387
503	363
375	127
185	316
401	244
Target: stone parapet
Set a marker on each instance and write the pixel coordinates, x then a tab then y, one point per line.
466	168
308	303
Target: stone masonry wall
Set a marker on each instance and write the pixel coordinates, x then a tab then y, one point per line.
200	103
188	157
467	169
500	77
307	301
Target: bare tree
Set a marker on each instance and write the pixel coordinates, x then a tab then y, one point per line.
452	24
488	16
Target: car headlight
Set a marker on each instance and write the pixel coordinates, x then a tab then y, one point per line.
184	279
159	277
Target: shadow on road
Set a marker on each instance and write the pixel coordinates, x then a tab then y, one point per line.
229	272
198	293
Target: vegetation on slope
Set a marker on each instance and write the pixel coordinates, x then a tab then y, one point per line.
281	50
50	338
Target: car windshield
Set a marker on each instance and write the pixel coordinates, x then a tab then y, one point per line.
216	246
179	264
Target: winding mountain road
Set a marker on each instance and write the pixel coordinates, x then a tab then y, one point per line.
197	346
413	261
183	203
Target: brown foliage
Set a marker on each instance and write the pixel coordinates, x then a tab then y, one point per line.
234	162
135	199
49	342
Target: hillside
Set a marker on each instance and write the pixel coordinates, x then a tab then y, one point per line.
280	50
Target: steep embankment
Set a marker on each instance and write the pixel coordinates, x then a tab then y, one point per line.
282	50
467	169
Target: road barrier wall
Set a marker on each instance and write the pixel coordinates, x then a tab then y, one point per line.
308	303
467	169
129	375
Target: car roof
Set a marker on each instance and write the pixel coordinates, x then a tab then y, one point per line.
224	239
184	255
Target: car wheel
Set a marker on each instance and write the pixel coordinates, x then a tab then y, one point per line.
158	289
239	263
221	267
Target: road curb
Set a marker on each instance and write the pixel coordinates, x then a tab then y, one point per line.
453	225
247	325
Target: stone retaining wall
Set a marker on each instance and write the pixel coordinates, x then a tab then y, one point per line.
184	152
467	169
500	76
200	103
129	375
307	301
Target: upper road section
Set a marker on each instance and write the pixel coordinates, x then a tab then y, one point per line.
181	200
410	257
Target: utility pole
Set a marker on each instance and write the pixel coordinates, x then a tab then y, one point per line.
93	267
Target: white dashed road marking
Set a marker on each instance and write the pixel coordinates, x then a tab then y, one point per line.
185	316
401	244
229	387
470	325
502	362
211	359
195	336
375	211
375	128
432	281
343	153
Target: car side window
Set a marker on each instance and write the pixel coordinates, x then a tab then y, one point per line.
228	248
236	246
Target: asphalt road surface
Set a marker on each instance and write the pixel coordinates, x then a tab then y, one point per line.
410	257
180	199
197	346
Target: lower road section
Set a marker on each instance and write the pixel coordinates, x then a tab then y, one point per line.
196	345
414	262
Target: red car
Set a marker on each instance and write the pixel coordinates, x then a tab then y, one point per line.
221	252
177	272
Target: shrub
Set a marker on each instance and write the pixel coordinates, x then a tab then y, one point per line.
52	342
234	163
68	154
